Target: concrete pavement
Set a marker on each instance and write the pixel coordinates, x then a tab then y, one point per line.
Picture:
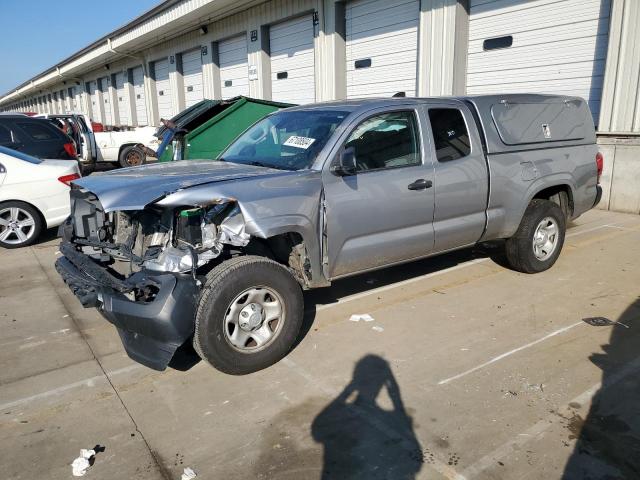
469	370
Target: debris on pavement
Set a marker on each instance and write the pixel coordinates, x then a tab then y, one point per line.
377	328
188	474
364	317
80	464
601	322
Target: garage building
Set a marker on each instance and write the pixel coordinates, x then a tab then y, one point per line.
303	51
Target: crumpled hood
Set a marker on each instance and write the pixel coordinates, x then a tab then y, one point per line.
134	188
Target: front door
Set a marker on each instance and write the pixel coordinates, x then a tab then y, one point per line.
383	213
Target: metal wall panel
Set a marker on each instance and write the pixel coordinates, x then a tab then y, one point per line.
620	111
234	65
382	47
559	47
292	61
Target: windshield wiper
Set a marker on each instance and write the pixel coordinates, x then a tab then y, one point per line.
265	165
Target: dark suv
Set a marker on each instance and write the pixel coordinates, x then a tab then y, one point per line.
35	137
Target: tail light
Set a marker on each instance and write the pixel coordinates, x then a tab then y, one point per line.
97	127
599	164
67	179
70	148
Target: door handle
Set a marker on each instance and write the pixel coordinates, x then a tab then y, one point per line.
420	184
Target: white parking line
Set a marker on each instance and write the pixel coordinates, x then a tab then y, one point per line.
87	382
509	353
374	291
391	286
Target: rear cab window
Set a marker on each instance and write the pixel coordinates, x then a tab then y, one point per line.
450	134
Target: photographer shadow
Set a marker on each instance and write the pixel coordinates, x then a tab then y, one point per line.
360	438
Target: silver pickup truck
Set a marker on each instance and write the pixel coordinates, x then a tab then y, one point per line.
217	253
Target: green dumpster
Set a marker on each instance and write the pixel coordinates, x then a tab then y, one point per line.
211	125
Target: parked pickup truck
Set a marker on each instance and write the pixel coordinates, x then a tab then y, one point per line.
128	147
217	253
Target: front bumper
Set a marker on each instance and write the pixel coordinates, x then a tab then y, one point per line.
151	332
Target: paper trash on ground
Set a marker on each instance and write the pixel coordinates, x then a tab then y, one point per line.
377	328
80	464
188	474
364	317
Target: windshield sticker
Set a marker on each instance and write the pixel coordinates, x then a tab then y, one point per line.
299	142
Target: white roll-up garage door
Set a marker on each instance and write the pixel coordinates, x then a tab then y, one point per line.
95	105
123	99
539	46
137	75
234	75
382	47
163	88
292	61
105	82
192	76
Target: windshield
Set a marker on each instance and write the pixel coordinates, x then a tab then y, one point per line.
19	155
285	140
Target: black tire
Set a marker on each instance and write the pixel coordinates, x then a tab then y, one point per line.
519	248
132	156
224	284
24	209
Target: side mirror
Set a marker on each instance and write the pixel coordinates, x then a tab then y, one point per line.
346	163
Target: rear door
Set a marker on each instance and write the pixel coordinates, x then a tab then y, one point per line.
89	148
292	61
234	67
192	77
383	214
461	176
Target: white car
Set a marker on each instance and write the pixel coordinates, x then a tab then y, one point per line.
34	195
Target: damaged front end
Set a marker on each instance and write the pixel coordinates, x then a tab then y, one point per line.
141	269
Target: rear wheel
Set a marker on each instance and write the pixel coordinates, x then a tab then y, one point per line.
132	156
537	243
20	224
249	315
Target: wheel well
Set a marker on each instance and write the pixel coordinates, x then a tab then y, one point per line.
559	194
287	249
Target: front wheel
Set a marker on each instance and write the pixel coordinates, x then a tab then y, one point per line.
537	243
249	315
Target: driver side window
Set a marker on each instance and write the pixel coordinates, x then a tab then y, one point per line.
389	140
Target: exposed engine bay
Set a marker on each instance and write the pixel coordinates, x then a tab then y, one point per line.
157	239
